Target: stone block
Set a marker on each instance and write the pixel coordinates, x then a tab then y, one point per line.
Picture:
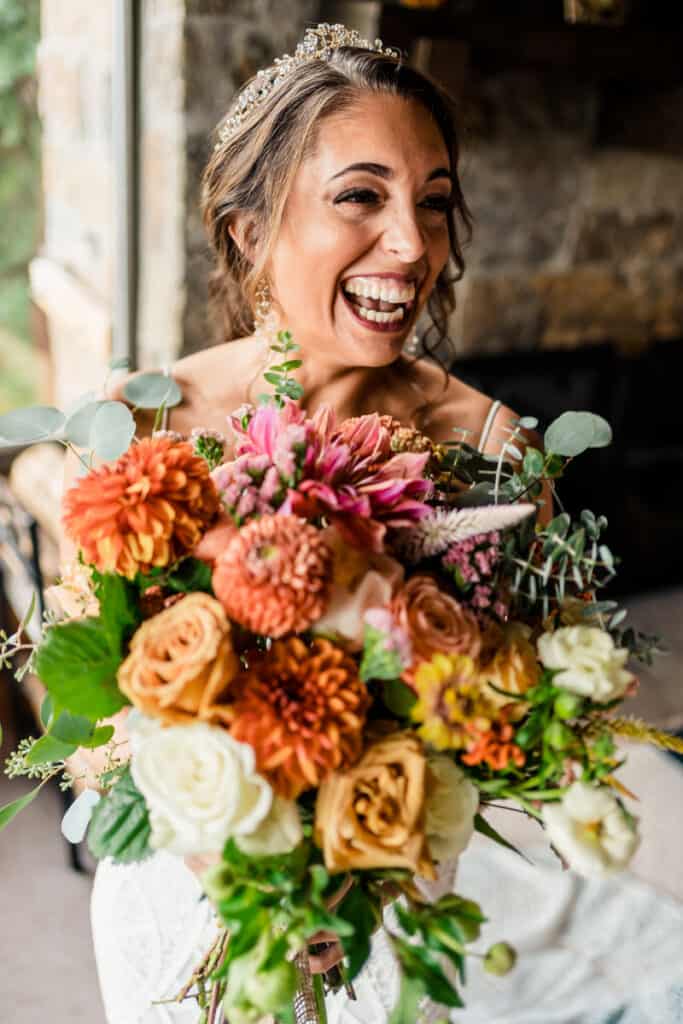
629	237
162	87
59	90
500	313
78	19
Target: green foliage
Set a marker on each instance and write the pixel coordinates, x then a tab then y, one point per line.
31	425
279	375
152	391
119	826
379	661
11	810
105	428
573	433
185	576
78	660
486	829
398	698
364	916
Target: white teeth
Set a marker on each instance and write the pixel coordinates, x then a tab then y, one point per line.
378	317
380	288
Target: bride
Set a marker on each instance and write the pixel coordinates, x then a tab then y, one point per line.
334	209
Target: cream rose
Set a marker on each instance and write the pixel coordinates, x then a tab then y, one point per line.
279	832
589	662
200	785
591	830
451	804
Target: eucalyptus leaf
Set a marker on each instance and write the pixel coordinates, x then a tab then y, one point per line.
575	432
78	427
112	430
120	363
528	422
150	390
30	425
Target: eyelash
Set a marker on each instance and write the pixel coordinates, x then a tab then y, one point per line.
441	204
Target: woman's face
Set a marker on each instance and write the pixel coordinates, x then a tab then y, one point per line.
364	234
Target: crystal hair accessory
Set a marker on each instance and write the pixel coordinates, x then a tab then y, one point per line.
319	43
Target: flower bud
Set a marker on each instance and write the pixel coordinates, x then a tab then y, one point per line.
558	736
500	958
568	705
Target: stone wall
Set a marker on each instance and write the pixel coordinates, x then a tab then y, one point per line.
74	73
577	193
195	55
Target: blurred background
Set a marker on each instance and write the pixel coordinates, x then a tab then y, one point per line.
572	129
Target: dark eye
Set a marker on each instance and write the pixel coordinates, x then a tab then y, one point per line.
439	203
358	195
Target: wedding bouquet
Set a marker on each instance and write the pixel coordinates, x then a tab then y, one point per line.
340	643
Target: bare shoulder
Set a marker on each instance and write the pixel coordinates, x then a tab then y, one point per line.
457	407
212	383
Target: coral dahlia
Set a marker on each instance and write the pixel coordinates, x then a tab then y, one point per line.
146	510
275	575
302	708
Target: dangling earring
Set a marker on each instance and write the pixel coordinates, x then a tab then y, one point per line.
265	320
413	345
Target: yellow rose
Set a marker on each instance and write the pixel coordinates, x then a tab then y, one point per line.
373	815
181	663
513	668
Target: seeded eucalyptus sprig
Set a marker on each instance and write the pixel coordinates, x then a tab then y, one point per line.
279	375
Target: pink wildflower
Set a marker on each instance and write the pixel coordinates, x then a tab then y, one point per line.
396	638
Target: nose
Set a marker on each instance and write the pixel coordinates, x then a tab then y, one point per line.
404	236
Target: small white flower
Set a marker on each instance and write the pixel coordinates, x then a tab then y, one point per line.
200	785
279	833
589	662
451	805
591	830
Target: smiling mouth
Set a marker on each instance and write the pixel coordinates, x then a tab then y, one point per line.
379	314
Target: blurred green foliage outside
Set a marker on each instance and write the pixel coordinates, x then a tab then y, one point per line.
19	194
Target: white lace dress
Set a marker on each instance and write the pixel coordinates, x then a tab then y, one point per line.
590	952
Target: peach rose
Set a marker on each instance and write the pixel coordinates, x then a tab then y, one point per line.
513	668
373	815
360	580
435	622
181	663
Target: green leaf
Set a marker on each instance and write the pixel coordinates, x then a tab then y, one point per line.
407	1009
9	811
49	749
27	426
575	432
486	829
190	575
78	666
533	462
46	711
119	609
419	962
378	661
112	430
122	363
356	908
78	426
119	826
150	390
398	697
79	730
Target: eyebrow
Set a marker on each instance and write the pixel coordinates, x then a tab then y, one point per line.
381	171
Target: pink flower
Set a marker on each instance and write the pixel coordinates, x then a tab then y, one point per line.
396	638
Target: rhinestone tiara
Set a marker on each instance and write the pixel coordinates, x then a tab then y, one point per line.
318	43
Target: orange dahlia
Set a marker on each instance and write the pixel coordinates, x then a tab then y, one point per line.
302	709
274	577
146	510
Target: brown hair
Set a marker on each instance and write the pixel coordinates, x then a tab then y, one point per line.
253	171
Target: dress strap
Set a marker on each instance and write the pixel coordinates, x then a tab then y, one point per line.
486	430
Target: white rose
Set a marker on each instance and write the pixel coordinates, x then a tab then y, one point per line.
590	664
278	833
591	830
200	786
451	805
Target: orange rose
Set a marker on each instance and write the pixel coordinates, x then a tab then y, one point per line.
513	668
181	663
435	622
373	815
